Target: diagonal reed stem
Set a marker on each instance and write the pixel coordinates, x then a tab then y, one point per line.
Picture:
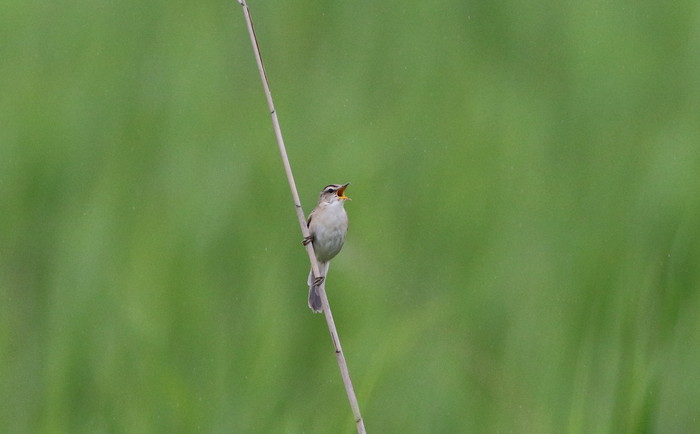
304	229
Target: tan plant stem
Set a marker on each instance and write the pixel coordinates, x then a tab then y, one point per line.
304	229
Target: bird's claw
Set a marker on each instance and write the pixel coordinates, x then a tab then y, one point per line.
307	240
319	280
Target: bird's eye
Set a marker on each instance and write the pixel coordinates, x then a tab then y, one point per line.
331	190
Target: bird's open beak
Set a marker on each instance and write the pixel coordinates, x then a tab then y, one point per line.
341	192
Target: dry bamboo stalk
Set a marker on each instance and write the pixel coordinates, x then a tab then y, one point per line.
304	229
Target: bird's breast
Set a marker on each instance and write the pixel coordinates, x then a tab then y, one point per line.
329	231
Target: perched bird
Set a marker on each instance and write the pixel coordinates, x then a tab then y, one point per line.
328	224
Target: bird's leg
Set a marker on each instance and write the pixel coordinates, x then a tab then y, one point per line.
307	240
319	280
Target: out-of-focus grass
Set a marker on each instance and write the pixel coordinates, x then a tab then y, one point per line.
523	253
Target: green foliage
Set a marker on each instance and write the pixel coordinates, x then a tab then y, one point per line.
524	251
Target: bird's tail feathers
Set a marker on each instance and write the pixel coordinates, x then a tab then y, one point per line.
315	303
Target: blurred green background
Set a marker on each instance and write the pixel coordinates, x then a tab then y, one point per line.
524	251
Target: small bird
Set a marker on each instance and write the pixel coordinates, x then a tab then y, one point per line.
328	224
